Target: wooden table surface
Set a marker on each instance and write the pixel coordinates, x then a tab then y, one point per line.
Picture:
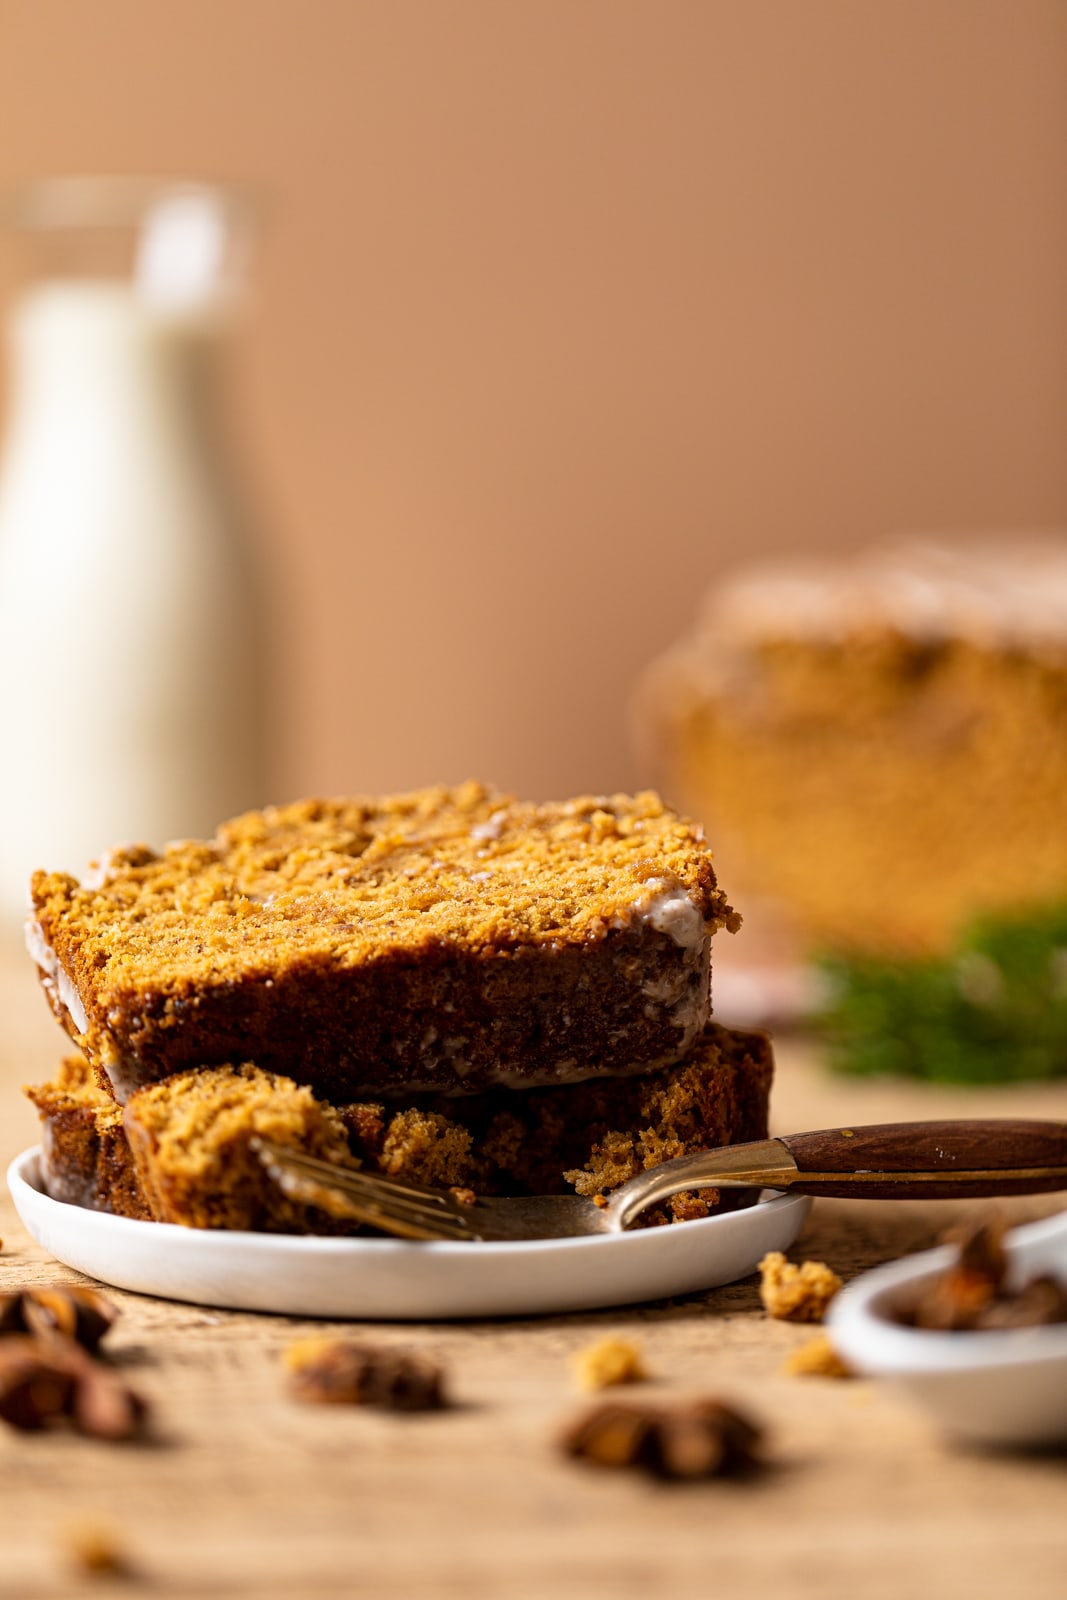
244	1491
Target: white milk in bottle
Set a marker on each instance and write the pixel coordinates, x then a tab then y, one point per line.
131	680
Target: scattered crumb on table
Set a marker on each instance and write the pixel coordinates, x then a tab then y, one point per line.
816	1358
609	1361
796	1294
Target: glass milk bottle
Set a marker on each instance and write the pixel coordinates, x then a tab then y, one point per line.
131	683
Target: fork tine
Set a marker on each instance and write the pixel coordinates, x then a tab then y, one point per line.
405	1210
356	1177
333	1198
373	1188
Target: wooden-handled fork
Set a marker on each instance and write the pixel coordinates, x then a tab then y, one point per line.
895	1160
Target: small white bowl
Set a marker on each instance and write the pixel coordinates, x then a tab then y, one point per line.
995	1387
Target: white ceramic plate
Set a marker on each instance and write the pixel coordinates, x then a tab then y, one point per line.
393	1279
1003	1387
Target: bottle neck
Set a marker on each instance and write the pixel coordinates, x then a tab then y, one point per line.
93	352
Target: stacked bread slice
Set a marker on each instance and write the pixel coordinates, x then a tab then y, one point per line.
450	986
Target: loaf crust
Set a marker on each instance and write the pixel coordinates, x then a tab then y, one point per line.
85	1156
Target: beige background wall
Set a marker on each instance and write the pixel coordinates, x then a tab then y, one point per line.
565	303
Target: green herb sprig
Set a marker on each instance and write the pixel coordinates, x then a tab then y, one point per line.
993	1010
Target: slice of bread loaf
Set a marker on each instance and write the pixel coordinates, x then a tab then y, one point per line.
877	744
447	940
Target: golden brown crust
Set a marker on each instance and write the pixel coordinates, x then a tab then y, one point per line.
86	1159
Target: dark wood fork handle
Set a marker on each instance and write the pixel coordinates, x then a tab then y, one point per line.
927	1160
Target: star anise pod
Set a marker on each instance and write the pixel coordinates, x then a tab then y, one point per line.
36	1384
105	1406
982	1249
959	1296
695	1439
342	1372
78	1313
46	1381
972	1294
1037	1304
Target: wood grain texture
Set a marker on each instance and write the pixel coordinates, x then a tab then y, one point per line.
942	1148
244	1492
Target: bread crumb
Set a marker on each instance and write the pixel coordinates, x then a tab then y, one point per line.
816	1358
608	1362
796	1294
303	1352
95	1548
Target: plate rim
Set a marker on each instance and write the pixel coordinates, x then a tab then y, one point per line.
326	1245
400	1280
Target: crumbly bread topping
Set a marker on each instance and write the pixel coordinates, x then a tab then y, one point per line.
993	591
352	878
75	1088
